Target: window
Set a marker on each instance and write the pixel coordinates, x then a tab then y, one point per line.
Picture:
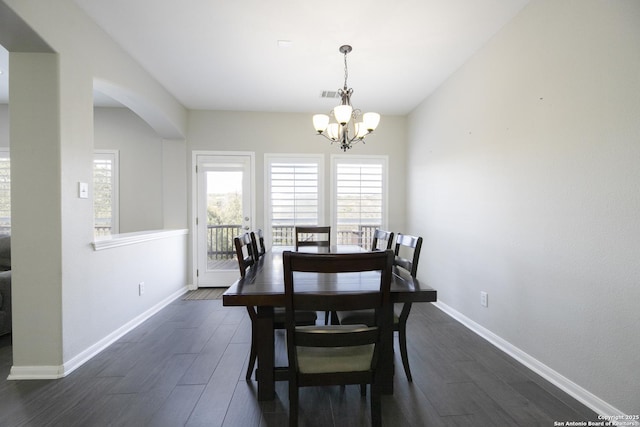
359	198
5	192
294	195
105	192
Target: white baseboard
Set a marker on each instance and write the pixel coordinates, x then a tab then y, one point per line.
36	372
55	372
574	390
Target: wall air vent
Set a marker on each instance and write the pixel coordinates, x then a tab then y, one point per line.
330	94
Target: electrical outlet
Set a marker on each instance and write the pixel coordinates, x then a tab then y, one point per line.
140	288
484	299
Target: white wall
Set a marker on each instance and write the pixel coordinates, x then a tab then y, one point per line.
36	207
174	184
141	153
527	159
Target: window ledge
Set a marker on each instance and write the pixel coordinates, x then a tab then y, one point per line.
124	239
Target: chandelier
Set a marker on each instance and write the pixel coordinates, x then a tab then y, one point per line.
349	125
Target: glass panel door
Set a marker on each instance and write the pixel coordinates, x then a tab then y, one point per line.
224	211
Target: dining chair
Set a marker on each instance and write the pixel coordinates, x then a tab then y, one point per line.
319	236
406	257
257	243
324	355
380	236
313	236
248	254
244	245
412	245
244	252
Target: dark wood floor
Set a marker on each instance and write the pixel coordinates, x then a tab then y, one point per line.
186	366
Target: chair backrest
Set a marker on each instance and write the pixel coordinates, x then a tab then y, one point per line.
244	252
262	249
382	236
406	243
257	243
334	264
313	236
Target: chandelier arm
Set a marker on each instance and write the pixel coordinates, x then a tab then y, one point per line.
324	135
352	139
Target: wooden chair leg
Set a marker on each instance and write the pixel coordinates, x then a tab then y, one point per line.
334	318
402	340
331	318
253	353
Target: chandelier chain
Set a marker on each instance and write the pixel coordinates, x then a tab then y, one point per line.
346	71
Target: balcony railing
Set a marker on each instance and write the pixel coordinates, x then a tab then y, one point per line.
359	235
220	241
220	237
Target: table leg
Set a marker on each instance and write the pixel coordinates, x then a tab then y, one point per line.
386	362
266	354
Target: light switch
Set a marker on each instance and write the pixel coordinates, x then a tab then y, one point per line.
83	190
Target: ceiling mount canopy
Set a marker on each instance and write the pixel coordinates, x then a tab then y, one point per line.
349	125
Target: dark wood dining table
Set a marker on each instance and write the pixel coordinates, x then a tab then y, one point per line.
263	288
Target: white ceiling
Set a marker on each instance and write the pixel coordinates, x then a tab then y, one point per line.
224	55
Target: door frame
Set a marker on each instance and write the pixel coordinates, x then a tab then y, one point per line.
194	201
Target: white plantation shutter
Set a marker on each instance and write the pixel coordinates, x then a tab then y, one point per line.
105	192
294	195
359	198
5	192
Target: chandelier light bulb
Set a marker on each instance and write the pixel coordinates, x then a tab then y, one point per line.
334	131
361	130
342	113
320	122
371	121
